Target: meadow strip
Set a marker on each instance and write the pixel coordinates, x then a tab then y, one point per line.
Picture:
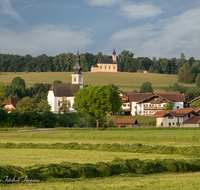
134	148
45	172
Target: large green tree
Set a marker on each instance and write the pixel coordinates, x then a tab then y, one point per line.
26	104
97	101
146	87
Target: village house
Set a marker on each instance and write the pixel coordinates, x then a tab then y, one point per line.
126	122
185	117
106	65
146	104
58	91
140	69
10	104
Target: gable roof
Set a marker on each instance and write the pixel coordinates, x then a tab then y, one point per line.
194	99
176	113
12	101
106	61
171	96
127	94
67	90
195	119
126	121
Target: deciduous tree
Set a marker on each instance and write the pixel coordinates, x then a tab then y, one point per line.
146	87
97	101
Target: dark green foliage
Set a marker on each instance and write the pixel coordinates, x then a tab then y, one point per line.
146	87
49	119
176	88
100	169
197	80
32	118
57	82
64	121
3	117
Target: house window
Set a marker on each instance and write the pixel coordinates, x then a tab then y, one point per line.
109	67
170	117
189	115
173	123
79	79
161	124
105	67
100	67
113	67
169	123
69	104
74	79
58	102
177	107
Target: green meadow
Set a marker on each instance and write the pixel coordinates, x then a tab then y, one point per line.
124	80
36	149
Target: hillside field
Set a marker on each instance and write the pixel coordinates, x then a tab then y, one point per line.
125	81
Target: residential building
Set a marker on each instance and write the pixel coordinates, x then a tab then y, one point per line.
147	104
106	65
10	104
185	117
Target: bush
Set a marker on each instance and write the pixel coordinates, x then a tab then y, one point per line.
49	119
3	117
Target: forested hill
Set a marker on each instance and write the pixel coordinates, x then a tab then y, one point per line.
64	63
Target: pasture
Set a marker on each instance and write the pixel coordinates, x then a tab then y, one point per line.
125	81
36	149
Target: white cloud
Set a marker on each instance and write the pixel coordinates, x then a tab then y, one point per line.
103	2
50	40
7	9
168	38
140	11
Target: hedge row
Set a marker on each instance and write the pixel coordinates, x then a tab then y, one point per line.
134	148
100	169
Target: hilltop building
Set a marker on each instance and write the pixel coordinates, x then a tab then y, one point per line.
58	91
106	65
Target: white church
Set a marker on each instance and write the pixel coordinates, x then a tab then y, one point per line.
58	91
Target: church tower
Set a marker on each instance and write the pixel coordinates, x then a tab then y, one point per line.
114	57
77	76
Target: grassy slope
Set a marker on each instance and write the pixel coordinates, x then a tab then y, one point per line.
125	81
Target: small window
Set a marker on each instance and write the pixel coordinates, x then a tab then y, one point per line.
100	67
109	67
173	123
105	67
58	102
74	79
113	67
79	79
177	107
170	117
161	124
169	123
189	115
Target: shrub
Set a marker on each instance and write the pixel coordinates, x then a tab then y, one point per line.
49	119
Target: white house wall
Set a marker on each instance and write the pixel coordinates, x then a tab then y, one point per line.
178	105
50	99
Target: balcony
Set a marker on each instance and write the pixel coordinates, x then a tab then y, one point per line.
156	102
153	108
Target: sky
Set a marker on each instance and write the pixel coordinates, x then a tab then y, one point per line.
147	28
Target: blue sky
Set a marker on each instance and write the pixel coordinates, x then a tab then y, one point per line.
152	28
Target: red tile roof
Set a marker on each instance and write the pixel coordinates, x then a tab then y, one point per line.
178	112
195	119
171	96
126	93
12	101
126	121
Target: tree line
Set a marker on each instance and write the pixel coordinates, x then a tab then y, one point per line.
65	62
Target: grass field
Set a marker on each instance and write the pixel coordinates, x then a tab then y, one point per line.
167	180
125	81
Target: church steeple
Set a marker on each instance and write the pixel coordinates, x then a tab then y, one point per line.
114	57
77	76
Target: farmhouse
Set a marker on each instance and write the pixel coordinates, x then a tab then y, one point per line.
10	104
185	117
140	69
106	65
58	91
147	104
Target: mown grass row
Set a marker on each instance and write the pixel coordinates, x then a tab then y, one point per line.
134	148
44	172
